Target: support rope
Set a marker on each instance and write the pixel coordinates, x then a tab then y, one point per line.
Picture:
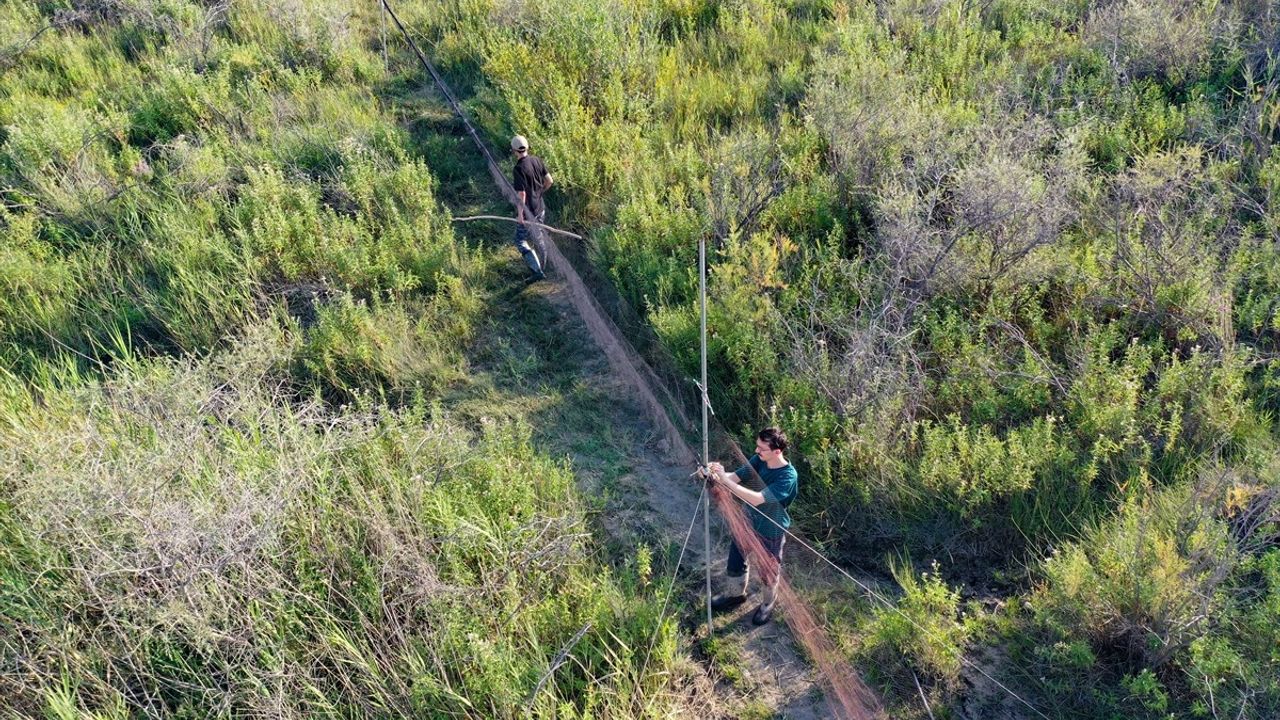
671	585
890	605
855	698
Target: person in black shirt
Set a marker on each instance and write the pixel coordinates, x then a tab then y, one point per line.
530	180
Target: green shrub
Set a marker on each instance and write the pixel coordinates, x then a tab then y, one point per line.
1161	603
970	468
1171	38
1144	586
926	630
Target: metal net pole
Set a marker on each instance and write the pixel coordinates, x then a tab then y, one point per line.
706	499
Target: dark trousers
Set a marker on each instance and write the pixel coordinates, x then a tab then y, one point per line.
737	563
531	256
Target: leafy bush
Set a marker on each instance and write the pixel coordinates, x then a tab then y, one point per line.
1157	221
1171	38
1162	602
1145	586
969	467
926	629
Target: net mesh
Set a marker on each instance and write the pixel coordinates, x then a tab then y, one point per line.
671	399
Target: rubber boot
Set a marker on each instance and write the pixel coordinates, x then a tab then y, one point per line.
765	612
735	596
531	259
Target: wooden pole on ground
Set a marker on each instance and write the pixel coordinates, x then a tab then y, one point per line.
503	218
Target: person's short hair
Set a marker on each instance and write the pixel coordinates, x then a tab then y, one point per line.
773	437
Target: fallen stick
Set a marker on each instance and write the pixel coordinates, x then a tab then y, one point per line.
548	228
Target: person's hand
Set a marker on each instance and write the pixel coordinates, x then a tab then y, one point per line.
717	471
520	219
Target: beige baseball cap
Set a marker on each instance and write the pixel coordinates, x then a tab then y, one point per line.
519	143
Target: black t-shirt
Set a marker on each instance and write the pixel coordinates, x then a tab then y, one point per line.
529	174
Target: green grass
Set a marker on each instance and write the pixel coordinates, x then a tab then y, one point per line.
278	438
724	651
190	194
358	561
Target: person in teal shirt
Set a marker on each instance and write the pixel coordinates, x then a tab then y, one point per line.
767	512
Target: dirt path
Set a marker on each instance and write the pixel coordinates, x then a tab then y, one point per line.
757	671
768	672
772	673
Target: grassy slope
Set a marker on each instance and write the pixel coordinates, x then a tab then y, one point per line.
344	503
1075	436
164	194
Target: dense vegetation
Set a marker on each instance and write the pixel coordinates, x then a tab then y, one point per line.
1007	272
229	483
